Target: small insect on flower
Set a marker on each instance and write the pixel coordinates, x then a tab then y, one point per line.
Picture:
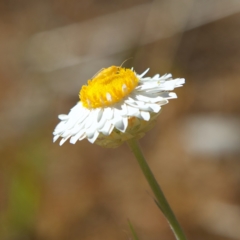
117	104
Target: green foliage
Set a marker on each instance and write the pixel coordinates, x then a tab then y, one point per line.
135	237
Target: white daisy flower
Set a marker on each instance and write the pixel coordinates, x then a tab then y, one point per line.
115	106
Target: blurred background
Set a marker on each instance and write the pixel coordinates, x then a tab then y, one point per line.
48	49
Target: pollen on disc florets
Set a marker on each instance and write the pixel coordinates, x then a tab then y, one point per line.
107	87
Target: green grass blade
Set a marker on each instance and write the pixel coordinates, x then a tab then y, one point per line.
135	237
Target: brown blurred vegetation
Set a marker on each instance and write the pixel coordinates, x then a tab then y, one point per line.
86	192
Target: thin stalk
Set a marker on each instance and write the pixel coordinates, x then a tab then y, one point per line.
135	236
160	198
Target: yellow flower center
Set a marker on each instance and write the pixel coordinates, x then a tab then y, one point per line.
107	87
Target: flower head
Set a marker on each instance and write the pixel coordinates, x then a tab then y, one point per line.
115	106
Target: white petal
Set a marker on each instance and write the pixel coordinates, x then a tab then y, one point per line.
94	137
155	77
101	123
55	138
108	113
77	128
121	109
155	107
125	122
172	95
116	116
131	111
78	115
124	110
66	134
140	105
144	73
64	140
145	115
82	137
63	117
91	118
59	128
181	81
168	95
121	124
76	137
171	84
149	85
106	129
90	132
147	99
100	113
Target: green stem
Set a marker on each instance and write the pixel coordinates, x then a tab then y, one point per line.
161	200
